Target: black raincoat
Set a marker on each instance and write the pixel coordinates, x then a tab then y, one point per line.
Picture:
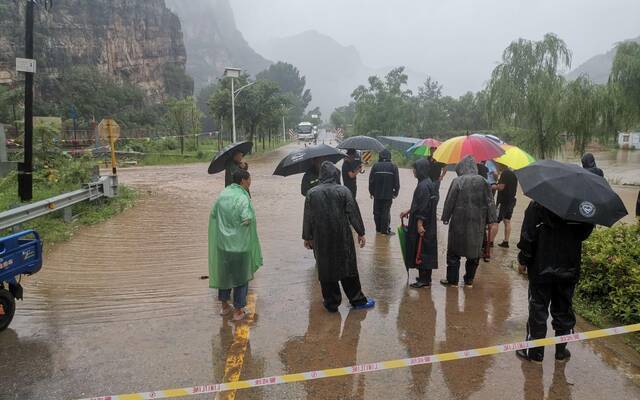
468	209
589	163
423	207
384	179
551	247
329	213
310	179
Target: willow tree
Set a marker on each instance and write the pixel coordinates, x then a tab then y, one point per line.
581	112
625	82
526	91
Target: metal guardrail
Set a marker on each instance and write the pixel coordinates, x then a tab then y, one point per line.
105	186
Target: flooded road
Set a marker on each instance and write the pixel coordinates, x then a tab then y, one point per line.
121	308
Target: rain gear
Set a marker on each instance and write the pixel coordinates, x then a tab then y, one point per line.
234	247
329	213
589	163
468	209
311	179
423	207
551	247
384	180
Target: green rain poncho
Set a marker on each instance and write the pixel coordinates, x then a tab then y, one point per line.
234	248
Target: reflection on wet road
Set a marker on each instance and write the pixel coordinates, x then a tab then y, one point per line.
121	309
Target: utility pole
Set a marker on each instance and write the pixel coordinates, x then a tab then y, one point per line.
233	110
25	169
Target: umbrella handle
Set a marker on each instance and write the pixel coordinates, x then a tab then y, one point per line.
402	222
419	252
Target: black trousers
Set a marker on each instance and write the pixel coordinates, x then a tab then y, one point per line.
333	297
453	268
382	215
557	297
424	275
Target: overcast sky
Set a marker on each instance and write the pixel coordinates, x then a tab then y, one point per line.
458	42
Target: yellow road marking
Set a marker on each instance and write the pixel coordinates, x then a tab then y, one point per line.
237	350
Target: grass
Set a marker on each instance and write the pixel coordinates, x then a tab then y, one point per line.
599	316
204	152
52	228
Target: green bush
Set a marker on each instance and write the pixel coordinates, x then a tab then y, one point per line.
611	273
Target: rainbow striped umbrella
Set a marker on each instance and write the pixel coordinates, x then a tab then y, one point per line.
514	157
423	147
455	149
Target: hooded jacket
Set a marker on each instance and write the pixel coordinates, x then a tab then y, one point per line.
468	209
551	247
589	163
329	213
384	179
423	207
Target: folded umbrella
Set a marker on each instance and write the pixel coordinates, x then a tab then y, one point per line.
361	143
455	149
219	162
299	161
514	157
571	192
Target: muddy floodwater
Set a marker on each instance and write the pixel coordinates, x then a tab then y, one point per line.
121	308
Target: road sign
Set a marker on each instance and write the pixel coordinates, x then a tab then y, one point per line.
109	129
367	156
26	65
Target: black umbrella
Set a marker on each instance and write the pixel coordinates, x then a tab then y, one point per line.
219	162
299	161
362	143
571	192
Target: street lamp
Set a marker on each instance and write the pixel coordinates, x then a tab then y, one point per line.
234	73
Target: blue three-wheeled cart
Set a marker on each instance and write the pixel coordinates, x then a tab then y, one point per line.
20	254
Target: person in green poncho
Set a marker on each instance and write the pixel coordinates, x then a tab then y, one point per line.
234	247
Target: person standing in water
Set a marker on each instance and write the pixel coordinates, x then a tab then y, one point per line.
329	214
589	163
234	248
351	167
384	186
235	163
467	210
421	243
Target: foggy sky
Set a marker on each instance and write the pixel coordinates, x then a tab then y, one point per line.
458	42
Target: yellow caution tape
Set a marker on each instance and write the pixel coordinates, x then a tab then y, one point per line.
371	367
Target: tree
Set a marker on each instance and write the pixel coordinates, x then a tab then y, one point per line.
526	90
581	111
384	106
291	85
625	82
256	104
183	118
314	116
342	117
429	108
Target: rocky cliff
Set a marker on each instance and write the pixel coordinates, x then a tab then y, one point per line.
137	41
213	41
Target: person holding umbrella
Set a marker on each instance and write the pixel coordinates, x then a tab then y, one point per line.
468	209
329	214
567	202
384	186
234	164
311	177
230	160
421	243
351	167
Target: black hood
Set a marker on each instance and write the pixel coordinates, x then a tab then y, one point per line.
588	161
422	169
385	155
328	172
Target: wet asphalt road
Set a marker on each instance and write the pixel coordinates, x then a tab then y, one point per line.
121	308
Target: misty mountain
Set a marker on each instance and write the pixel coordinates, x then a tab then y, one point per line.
597	67
213	41
332	70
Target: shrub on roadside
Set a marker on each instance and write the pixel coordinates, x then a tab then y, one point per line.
611	273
